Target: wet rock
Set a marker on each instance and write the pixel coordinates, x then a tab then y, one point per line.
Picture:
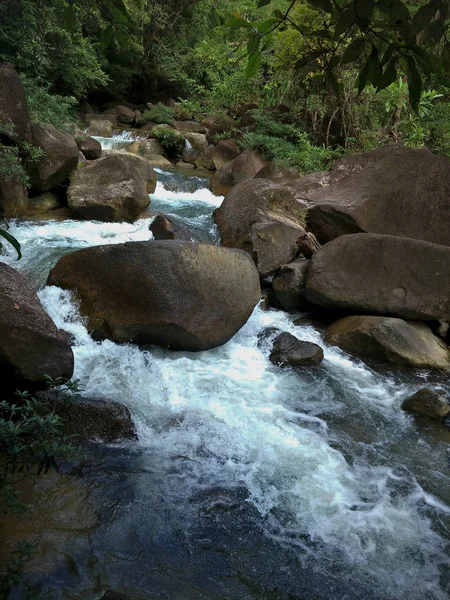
164	228
108	189
91	149
390	340
44	203
288	351
102	128
13	198
147	148
244	166
288	285
394	191
59	160
198	141
267	335
91	418
31	345
427	403
183	295
225	152
265	220
209	120
381	274
13	106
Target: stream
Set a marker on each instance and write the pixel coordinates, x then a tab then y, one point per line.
248	481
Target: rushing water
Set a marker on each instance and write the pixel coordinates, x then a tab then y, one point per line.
248	481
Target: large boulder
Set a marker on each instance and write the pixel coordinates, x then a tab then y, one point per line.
244	166
394	190
59	160
389	340
108	189
13	198
183	295
146	148
265	220
90	148
288	285
101	128
288	351
144	166
43	203
382	274
205	159
31	346
225	152
427	403
123	114
14	116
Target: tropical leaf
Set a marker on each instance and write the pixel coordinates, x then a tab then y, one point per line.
12	240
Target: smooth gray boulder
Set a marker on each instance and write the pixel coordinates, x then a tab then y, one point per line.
288	351
427	403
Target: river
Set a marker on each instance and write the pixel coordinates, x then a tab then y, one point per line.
248	481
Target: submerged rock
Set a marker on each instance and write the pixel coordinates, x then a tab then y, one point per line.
92	419
265	220
382	274
390	340
427	403
183	295
288	351
31	345
112	188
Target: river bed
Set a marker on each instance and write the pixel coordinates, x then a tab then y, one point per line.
248	481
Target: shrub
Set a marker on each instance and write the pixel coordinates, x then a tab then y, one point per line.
171	140
192	109
49	108
301	155
157	113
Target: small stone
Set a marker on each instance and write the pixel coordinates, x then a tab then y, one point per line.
288	351
427	403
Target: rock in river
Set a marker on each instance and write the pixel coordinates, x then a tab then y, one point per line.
183	295
31	345
382	274
391	341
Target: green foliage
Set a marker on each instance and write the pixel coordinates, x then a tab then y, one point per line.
171	140
379	36
4	233
267	124
31	442
45	107
191	109
157	113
